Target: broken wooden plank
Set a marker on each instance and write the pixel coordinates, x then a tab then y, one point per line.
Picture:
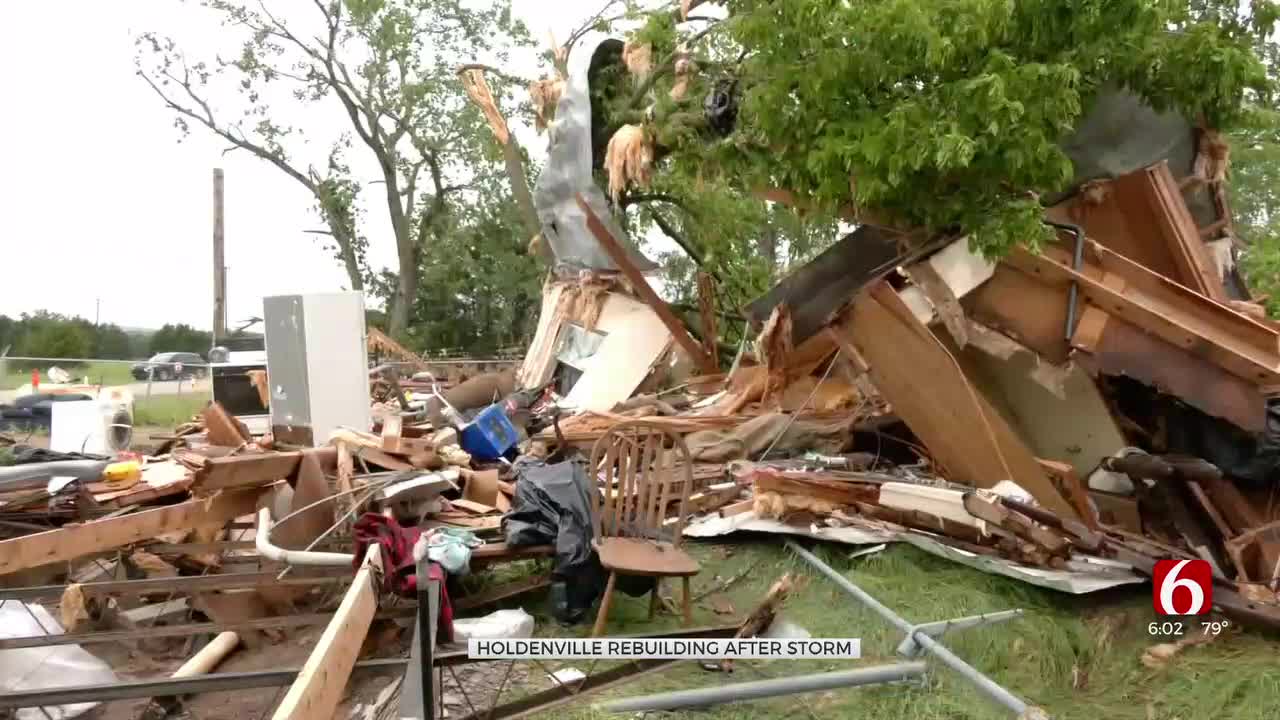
928	389
472	507
249	470
72	541
992	511
762	616
713	498
641	286
1182	237
1068	482
812	485
320	685
222	428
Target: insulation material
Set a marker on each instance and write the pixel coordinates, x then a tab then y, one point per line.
635	339
638	57
629	159
54	666
545	94
684	70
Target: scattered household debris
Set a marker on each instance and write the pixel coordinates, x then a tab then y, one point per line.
1066	418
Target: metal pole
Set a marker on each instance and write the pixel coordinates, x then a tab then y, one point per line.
219	263
737	692
984	684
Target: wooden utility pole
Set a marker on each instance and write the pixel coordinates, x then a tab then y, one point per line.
219	262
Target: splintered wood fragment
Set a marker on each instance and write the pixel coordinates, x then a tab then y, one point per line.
993	512
760	618
707	311
319	686
836	491
737	508
221	428
1070	486
391	427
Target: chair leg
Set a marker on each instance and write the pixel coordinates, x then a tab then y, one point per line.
603	614
654	598
684	602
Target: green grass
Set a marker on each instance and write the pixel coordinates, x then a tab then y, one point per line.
1077	657
105	373
167	411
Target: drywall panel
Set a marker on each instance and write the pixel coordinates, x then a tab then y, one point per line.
634	340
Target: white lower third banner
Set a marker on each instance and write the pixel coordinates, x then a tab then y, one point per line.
664	649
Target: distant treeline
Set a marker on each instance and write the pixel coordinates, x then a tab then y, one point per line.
46	334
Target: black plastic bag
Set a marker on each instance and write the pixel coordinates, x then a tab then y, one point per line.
553	506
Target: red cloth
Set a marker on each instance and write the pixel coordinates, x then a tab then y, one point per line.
399	569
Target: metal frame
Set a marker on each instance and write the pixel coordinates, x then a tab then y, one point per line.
920	638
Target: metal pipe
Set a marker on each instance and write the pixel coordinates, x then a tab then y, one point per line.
984	684
737	692
262	542
1077	260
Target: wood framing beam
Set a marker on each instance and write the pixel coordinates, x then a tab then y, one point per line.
73	541
638	282
319	687
1181	235
252	470
1238	344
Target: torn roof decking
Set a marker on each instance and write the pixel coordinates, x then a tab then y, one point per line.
819	289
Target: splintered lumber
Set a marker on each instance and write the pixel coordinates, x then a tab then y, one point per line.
222	428
713	498
641	286
72	541
840	492
994	512
320	685
1068	482
762	616
251	470
391	427
928	389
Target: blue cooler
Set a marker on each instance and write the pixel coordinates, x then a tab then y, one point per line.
490	435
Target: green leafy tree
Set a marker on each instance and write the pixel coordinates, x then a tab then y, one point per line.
110	342
389	67
181	338
928	116
45	334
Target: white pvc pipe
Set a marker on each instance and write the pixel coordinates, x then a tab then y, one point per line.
262	541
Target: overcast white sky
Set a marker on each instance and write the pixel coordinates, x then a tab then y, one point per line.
99	201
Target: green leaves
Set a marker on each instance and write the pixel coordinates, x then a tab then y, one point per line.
946	114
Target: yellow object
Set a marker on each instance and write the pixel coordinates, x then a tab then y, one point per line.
128	471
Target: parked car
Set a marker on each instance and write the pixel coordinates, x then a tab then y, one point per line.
167	366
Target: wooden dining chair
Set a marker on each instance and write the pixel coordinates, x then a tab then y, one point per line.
643	470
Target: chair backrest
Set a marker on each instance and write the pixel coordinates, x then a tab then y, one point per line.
641	470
